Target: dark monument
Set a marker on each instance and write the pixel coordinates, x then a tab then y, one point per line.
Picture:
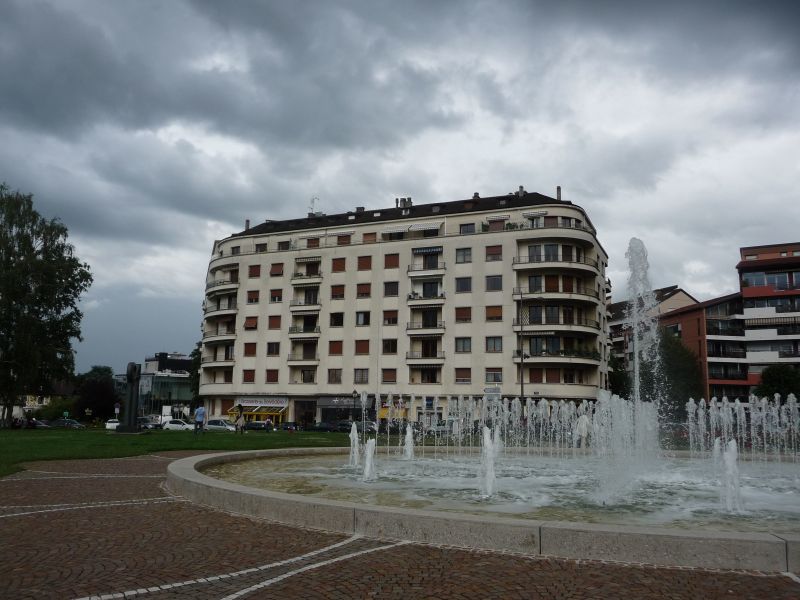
131	409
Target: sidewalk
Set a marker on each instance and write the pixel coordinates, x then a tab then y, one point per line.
76	529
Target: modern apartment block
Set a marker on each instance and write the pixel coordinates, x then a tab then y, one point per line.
414	302
737	336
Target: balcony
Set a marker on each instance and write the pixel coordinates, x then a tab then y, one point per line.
416	299
430	270
220	311
301	331
727	353
210	362
305	306
554	262
560	324
219	335
301	358
788	353
580	294
421	328
222	285
583	357
425	357
306	279
558	231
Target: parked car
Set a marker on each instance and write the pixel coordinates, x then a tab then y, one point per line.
112	424
67	424
344	426
177	425
290	426
220	425
257	426
323	426
147	423
36	424
367	427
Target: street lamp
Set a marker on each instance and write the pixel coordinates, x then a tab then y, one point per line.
522	356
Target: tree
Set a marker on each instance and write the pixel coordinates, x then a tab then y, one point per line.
681	376
619	381
41	281
778	379
194	376
97	393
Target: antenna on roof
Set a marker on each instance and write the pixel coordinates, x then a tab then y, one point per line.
312	206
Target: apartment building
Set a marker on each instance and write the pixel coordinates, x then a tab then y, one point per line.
739	335
411	305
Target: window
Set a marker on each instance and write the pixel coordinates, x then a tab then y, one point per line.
364	263
312	242
494	313
338	265
271	376
494	253
360	375
251	323
391	261
463	255
274	322
551	283
276	295
551	316
250	349
535	375
390	317
463	314
551	252
390	346
494	344
334	376
430	289
494	283
463	375
273	348
389	375
463	344
235	250
248	376
569	375
335	347
369	238
308	375
337	319
466	228
337	292
551	221
276	269
494	375
391	288
362	346
362	318
497	225
463	284
261	248
534	283
254	271
343	240
284	245
363	290
552	376
227	375
252	296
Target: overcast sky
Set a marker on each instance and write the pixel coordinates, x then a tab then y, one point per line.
152	128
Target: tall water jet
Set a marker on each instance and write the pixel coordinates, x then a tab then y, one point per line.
369	461
731	491
408	447
488	455
353	462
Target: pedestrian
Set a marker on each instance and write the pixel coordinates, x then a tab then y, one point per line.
199	418
239	419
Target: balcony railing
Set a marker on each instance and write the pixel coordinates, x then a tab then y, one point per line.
787	309
303	329
209	359
732	353
521	260
562	354
431	355
724	331
305	302
416	296
219	332
210	309
560	321
788	353
580	291
314	357
437	267
213	284
422	325
789	330
298	275
723	375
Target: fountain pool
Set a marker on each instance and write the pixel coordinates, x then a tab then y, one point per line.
677	493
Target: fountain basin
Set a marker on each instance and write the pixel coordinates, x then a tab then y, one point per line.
773	551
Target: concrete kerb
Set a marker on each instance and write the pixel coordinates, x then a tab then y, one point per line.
651	545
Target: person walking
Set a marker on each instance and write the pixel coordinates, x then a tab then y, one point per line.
239	419
199	418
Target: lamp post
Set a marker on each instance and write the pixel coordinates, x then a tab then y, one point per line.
522	356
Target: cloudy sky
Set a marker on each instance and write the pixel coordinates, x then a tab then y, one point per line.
151	128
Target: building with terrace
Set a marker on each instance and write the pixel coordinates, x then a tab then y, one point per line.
412	305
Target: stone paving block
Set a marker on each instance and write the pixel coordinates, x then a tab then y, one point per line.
792	551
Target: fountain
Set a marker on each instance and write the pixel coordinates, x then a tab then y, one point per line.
537	460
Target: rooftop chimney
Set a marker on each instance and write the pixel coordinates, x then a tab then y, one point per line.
476	196
246	224
521	192
397	202
558	192
359	209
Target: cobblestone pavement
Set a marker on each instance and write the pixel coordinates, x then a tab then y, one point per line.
107	528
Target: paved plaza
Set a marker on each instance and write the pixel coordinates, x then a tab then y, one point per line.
108	529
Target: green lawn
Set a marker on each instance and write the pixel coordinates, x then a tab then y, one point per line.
18	446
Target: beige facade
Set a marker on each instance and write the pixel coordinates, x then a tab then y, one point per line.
421	302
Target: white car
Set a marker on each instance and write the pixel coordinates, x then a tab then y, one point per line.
112	424
220	425
177	425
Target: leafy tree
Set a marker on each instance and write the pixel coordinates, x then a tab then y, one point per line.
194	376
681	376
778	379
619	380
97	393
40	284
56	409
